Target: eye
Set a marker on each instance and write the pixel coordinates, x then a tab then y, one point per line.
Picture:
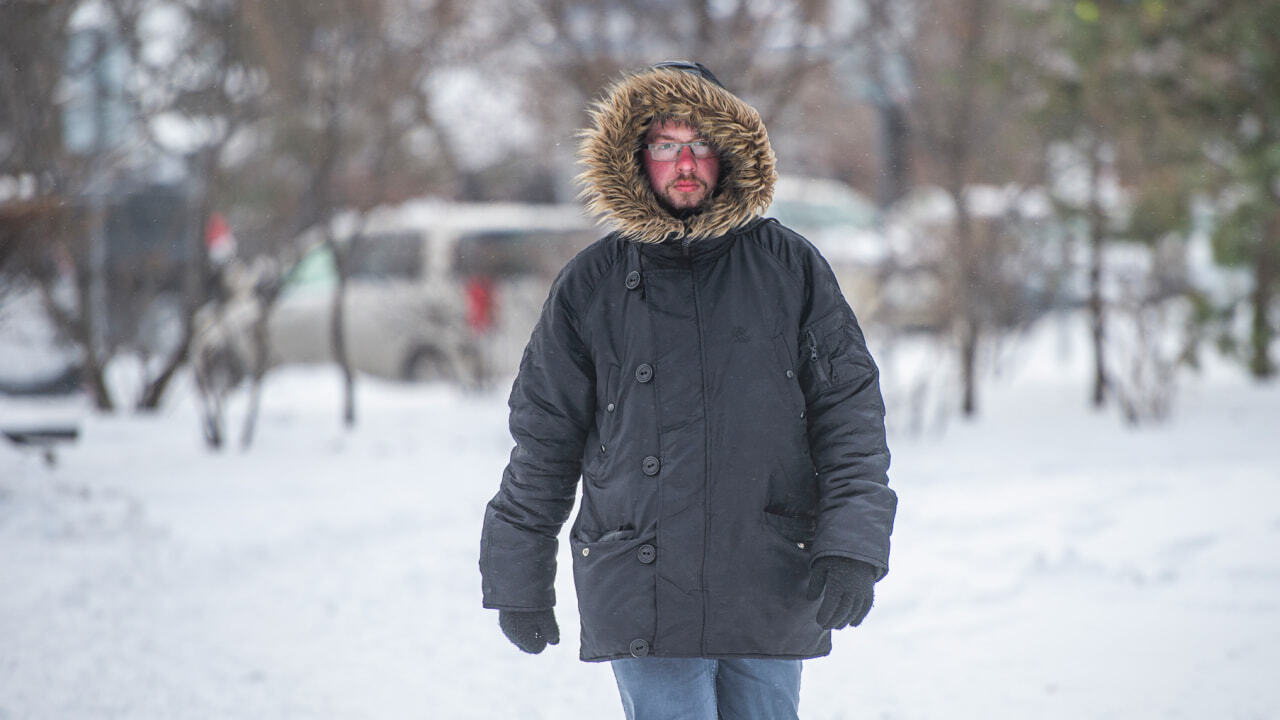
665	147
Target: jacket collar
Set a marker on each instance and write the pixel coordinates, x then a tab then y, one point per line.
680	249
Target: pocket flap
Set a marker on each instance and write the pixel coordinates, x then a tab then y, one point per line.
793	526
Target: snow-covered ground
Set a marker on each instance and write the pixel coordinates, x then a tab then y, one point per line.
1048	562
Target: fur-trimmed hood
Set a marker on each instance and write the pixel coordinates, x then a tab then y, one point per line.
613	179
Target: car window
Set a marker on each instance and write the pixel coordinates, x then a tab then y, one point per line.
390	255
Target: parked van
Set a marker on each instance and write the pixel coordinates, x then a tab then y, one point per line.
413	268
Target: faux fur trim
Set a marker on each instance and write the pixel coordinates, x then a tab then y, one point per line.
614	183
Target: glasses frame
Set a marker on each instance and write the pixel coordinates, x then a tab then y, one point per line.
693	146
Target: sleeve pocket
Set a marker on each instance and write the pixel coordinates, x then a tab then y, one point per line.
835	351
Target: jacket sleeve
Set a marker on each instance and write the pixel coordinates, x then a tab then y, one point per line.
845	412
552	405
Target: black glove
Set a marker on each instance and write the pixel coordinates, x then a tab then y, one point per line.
530	630
847	589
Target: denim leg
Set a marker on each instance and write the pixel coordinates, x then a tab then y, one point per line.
657	688
752	689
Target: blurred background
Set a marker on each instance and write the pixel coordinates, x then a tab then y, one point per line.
267	268
202	184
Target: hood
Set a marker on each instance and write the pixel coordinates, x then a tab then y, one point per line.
614	183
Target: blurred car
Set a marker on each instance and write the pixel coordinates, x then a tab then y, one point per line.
406	303
396	327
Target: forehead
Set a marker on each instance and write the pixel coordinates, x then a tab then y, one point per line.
676	130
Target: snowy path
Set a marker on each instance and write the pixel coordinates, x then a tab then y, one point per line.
1047	563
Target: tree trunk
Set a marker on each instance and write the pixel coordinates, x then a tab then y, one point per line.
255	380
895	133
266	297
195	289
338	333
90	272
968	368
1097	316
968	317
1266	275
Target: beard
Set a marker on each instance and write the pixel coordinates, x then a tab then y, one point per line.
682	213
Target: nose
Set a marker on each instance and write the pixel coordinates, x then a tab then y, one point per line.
685	159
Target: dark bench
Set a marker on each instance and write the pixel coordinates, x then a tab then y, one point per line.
44	439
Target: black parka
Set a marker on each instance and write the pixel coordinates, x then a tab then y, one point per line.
712	389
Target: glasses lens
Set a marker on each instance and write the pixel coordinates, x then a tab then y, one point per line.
666	152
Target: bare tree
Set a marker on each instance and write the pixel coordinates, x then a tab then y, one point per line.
34	39
964	116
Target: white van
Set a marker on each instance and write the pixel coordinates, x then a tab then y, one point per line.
406	306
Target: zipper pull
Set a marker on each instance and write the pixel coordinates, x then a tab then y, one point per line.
813	346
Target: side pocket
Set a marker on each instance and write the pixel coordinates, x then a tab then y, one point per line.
794	526
616	587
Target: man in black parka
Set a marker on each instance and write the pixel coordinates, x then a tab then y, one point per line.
702	373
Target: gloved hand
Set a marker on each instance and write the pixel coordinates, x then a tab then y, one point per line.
530	630
847	589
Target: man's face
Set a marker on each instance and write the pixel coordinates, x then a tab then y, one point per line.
686	182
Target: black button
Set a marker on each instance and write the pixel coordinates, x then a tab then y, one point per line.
633	279
644	373
646	554
639	647
650	466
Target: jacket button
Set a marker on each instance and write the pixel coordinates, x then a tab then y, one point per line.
633	279
644	373
790	374
639	647
650	466
646	554
611	407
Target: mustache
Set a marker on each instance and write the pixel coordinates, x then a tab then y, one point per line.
687	179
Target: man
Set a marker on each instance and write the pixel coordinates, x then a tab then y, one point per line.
702	373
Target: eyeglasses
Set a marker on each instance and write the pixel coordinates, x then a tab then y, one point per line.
666	152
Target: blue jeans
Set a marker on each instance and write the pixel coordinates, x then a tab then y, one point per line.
658	688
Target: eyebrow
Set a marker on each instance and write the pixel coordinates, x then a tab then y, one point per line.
664	137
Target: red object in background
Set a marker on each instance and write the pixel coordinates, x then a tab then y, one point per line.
219	238
480	303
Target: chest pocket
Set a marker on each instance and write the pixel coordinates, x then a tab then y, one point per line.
607	407
834	352
600	441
